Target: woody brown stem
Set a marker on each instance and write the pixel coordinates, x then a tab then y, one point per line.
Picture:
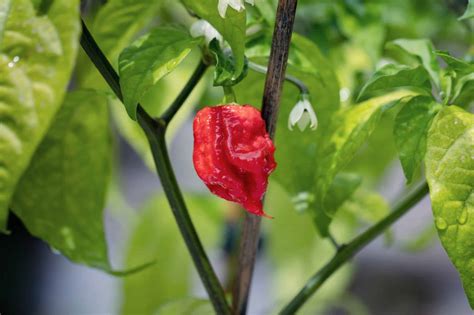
271	100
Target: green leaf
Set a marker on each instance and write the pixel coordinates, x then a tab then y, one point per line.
61	196
348	130
156	101
393	76
149	59
225	66
186	306
114	27
469	13
232	27
4	10
36	59
423	50
156	236
450	174
410	132
458	65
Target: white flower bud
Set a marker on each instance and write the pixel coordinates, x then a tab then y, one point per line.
303	115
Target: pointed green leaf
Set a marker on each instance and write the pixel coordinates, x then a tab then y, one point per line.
393	76
423	50
469	13
150	58
232	27
450	173
37	55
410	131
349	129
4	10
456	64
116	24
61	196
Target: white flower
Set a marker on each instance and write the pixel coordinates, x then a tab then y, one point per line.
302	115
203	28
237	5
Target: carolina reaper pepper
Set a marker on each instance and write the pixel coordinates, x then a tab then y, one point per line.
233	154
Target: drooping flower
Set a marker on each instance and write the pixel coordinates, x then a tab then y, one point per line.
203	28
303	115
237	5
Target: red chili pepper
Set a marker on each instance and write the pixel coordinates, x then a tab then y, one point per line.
233	154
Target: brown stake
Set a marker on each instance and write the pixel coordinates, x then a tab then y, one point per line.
271	100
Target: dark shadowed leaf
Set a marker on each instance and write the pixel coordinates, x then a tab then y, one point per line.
393	76
410	132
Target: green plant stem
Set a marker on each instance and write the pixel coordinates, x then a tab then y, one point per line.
185	92
347	251
155	132
294	80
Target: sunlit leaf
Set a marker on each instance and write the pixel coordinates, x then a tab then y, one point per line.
450	173
156	236
150	58
36	59
61	196
423	50
410	132
348	130
232	27
393	76
469	13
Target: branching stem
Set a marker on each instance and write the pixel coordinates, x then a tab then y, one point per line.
347	251
155	130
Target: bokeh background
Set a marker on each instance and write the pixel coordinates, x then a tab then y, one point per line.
405	272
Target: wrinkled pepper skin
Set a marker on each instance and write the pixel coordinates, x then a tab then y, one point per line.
233	154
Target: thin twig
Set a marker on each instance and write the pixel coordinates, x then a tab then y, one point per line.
346	252
185	92
155	131
271	99
294	80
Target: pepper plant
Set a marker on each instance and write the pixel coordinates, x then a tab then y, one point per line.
316	102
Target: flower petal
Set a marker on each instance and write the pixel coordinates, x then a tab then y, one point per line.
295	114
